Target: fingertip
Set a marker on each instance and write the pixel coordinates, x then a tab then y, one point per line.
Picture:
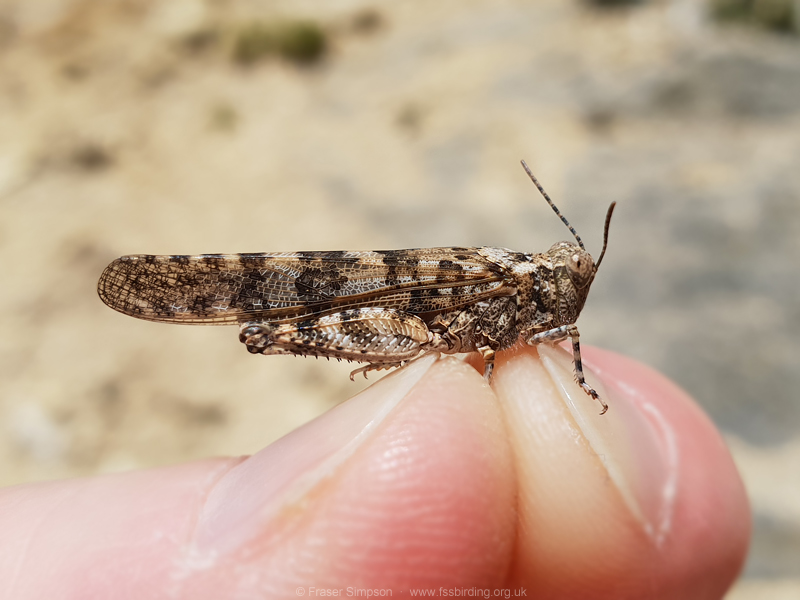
618	505
711	524
440	487
421	493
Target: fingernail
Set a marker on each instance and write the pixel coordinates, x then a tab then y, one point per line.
635	444
250	499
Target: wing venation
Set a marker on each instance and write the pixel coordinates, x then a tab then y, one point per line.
233	288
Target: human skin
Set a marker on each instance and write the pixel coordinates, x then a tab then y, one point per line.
428	479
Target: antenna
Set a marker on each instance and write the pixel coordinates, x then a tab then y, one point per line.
558	212
605	235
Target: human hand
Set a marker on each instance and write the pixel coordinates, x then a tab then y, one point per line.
428	480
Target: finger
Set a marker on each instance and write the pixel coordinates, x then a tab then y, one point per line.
105	537
643	501
409	483
406	485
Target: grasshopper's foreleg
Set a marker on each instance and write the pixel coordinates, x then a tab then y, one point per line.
552	336
384	338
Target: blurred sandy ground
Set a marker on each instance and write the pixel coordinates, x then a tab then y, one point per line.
126	127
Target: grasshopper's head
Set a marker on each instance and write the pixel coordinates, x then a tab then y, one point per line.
573	273
573	265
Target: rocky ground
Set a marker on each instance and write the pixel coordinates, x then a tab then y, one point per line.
136	126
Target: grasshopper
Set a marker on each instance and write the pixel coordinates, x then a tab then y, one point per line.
382	308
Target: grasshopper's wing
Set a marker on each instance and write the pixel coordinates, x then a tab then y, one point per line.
285	287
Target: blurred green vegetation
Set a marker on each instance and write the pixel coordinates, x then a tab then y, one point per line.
301	42
775	15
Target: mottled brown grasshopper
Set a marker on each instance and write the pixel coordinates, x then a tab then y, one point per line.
382	308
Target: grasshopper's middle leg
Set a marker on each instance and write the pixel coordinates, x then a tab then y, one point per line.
551	336
384	338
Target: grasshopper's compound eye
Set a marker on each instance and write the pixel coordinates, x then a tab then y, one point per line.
580	267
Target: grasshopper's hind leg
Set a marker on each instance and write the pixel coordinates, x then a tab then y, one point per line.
382	337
